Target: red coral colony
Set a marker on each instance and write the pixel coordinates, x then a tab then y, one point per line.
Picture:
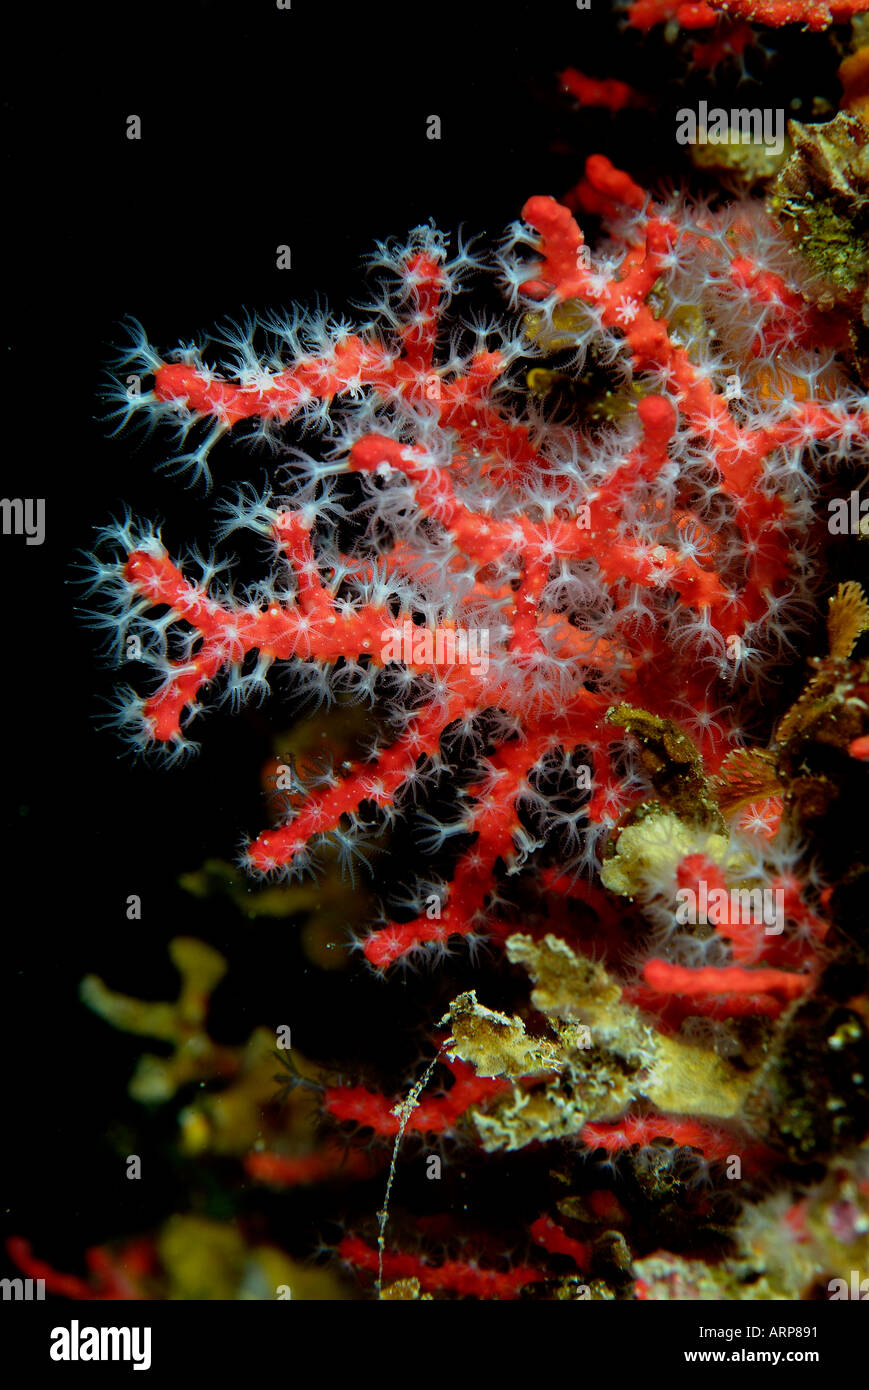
582	665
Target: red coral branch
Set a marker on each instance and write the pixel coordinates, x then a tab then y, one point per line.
606	92
638	1131
510	551
666	978
111	1275
462	1277
813	14
689	14
435	1115
547	1233
301	1170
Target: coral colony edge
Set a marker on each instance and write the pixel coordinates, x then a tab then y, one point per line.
533	578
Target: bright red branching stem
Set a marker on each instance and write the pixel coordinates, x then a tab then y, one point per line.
813	14
112	1276
746	939
728	979
605	92
301	1170
436	1115
546	1233
692	14
721	597
460	1277
640	1130
670	1010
